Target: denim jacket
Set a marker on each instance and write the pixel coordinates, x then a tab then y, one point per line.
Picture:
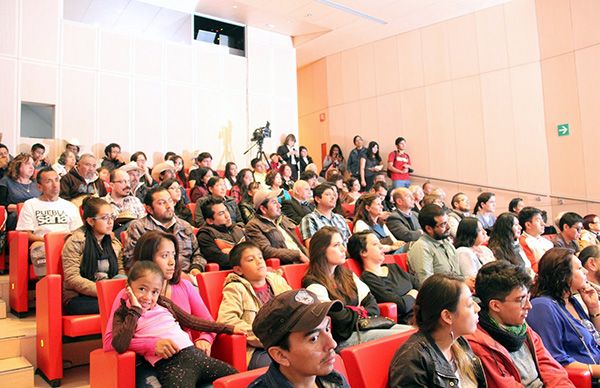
420	363
275	379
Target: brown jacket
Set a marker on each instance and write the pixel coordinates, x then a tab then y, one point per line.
240	305
264	233
72	254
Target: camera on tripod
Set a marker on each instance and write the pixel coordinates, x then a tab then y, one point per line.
261	133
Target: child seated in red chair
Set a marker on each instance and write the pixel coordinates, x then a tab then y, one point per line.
151	325
246	290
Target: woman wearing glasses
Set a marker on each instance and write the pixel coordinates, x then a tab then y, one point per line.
90	254
569	332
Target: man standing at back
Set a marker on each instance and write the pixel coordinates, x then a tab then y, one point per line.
355	155
511	353
398	165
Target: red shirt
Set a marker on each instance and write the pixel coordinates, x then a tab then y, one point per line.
399	160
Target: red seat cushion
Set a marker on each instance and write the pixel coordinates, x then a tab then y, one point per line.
80	325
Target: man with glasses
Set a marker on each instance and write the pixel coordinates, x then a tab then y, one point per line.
570	226
44	214
512	354
433	252
126	207
82	181
161	216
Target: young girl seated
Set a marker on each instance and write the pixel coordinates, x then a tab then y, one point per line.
150	324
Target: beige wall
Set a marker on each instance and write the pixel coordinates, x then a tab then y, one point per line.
477	97
148	95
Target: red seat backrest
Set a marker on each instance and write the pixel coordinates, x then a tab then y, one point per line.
367	364
123	237
54	243
210	285
107	292
294	273
19	207
353	266
401	259
192	207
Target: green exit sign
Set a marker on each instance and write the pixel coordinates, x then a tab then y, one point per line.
563	129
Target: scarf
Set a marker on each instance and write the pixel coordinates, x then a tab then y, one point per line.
92	252
511	337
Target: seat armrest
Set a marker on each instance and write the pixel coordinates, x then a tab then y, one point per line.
111	369
389	310
231	348
581	378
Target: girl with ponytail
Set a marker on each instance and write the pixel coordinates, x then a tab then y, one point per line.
437	355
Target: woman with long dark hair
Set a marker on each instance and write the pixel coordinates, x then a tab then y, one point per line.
570	334
484	210
200	189
504	241
141	159
90	254
242	181
369	217
231	171
179	170
330	280
437	355
370	165
470	249
333	160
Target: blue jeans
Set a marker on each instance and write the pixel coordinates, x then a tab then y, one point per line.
400	183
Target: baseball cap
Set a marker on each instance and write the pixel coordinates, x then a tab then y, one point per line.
261	196
290	312
161	167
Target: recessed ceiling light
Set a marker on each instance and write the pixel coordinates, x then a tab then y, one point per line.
270	25
234	6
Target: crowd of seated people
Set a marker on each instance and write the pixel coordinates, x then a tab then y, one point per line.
182	220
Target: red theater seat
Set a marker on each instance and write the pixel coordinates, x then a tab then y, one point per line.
52	326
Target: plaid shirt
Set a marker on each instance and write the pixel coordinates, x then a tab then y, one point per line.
130	203
316	220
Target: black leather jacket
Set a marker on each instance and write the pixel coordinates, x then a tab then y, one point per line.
420	363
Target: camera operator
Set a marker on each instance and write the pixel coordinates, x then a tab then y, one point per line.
289	154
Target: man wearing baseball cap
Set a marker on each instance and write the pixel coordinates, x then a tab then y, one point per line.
272	232
294	329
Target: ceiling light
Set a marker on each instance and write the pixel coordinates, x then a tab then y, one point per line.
352	11
269	25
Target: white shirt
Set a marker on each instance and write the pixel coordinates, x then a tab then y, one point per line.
43	217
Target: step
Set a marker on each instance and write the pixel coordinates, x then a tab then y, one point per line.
16	372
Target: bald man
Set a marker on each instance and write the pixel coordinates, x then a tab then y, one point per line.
404	222
299	205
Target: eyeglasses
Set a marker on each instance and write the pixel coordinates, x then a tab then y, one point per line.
121	181
106	217
163	202
522	301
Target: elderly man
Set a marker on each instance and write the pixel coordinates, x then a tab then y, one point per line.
299	205
82	181
404	222
163	171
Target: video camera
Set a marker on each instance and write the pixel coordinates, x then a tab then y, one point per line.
261	133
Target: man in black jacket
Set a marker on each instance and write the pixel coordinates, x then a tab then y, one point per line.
299	205
218	235
404	222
